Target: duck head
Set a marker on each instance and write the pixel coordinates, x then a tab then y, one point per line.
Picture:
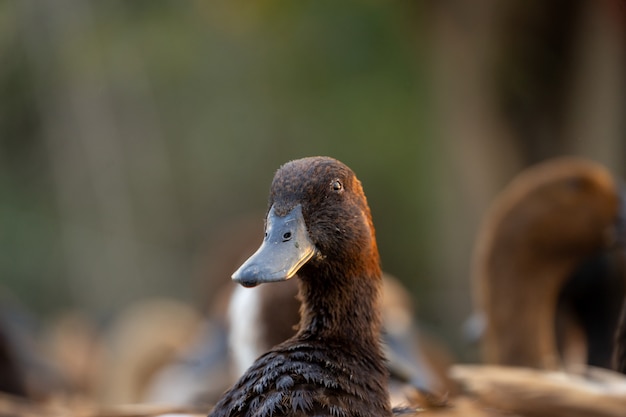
560	210
317	216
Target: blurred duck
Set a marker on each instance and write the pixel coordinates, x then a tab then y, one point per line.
319	227
139	342
549	278
202	370
25	370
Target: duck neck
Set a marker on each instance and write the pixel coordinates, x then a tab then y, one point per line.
520	306
342	308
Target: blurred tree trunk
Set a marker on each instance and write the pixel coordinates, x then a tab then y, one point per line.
90	148
596	107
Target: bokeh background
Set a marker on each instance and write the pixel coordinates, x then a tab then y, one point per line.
138	138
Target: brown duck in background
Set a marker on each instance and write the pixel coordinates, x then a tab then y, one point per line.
546	258
548	275
142	339
25	369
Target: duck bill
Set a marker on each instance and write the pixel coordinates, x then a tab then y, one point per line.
285	248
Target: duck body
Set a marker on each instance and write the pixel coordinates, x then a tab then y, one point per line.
318	227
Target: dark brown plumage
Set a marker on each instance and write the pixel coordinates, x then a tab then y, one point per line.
589	305
318	218
548	222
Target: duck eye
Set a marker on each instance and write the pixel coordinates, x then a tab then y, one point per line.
336	185
286	236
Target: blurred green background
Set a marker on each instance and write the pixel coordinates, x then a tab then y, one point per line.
137	137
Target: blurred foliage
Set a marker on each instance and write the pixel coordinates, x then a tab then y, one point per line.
232	90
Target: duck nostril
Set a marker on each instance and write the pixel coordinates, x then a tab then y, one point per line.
286	236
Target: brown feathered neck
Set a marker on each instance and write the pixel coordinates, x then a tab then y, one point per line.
340	305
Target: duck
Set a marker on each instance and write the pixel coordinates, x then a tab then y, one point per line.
139	341
318	228
547	274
